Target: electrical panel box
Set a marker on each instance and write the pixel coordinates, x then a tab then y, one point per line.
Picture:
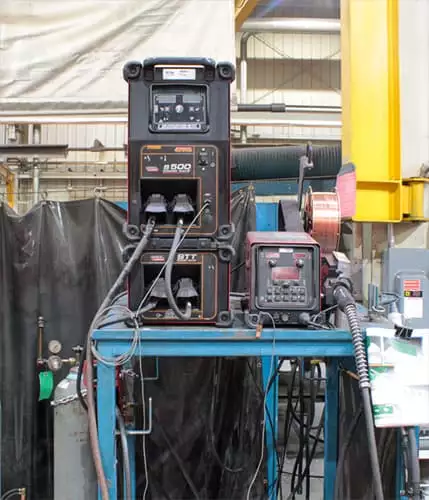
406	274
283	275
200	278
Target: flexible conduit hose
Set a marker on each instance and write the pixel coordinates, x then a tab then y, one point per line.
414	464
168	272
365	387
92	416
283	162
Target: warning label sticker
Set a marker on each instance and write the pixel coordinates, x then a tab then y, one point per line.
412	285
413	299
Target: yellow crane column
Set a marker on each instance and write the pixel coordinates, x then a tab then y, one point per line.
371	106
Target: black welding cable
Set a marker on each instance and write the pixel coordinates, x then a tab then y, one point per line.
312	453
179	462
310	421
125	453
92	417
168	272
288	416
12	493
414	464
305	428
212	438
344	450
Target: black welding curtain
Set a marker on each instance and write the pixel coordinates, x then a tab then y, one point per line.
58	261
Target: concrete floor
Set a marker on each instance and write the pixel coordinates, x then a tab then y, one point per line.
316	484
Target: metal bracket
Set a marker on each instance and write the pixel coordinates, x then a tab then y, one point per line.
305	163
142	432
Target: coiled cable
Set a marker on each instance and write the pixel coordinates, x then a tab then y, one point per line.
92	417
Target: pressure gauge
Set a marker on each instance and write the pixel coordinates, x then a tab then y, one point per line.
54	346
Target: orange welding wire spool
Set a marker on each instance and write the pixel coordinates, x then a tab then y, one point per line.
322	219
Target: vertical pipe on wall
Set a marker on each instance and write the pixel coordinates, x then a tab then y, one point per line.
243	79
34	137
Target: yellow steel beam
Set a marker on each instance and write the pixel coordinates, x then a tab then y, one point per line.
10	184
243	9
371	106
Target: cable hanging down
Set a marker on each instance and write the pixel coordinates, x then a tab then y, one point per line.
92	417
346	303
168	272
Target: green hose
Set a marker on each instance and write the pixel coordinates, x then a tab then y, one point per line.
251	164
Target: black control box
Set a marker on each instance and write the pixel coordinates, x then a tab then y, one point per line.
283	276
200	278
179	146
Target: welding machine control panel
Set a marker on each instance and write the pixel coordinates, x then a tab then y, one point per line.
284	277
179	108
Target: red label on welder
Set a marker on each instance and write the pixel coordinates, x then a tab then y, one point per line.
157	258
412	285
272	255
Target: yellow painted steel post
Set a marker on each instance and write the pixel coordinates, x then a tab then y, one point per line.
9	178
243	9
371	106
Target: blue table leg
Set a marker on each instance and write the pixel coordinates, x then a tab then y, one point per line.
106	401
132	452
331	427
269	367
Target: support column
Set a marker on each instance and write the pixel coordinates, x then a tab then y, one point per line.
371	106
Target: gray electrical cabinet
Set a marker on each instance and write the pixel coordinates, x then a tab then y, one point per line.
406	273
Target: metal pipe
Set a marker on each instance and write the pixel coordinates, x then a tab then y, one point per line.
286	108
390	236
86	119
36	183
291	25
243	80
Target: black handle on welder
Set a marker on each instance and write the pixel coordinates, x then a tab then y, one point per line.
179	61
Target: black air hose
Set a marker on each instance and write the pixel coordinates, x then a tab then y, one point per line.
346	302
283	162
168	272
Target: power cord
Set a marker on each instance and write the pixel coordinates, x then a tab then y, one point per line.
92	417
264	406
273	433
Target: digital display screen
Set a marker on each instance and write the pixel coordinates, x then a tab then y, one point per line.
285	273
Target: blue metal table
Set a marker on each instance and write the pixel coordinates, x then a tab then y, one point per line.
211	342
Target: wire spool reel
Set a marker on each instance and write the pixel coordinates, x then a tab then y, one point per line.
322	219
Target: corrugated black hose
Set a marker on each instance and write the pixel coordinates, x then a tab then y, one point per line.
346	303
